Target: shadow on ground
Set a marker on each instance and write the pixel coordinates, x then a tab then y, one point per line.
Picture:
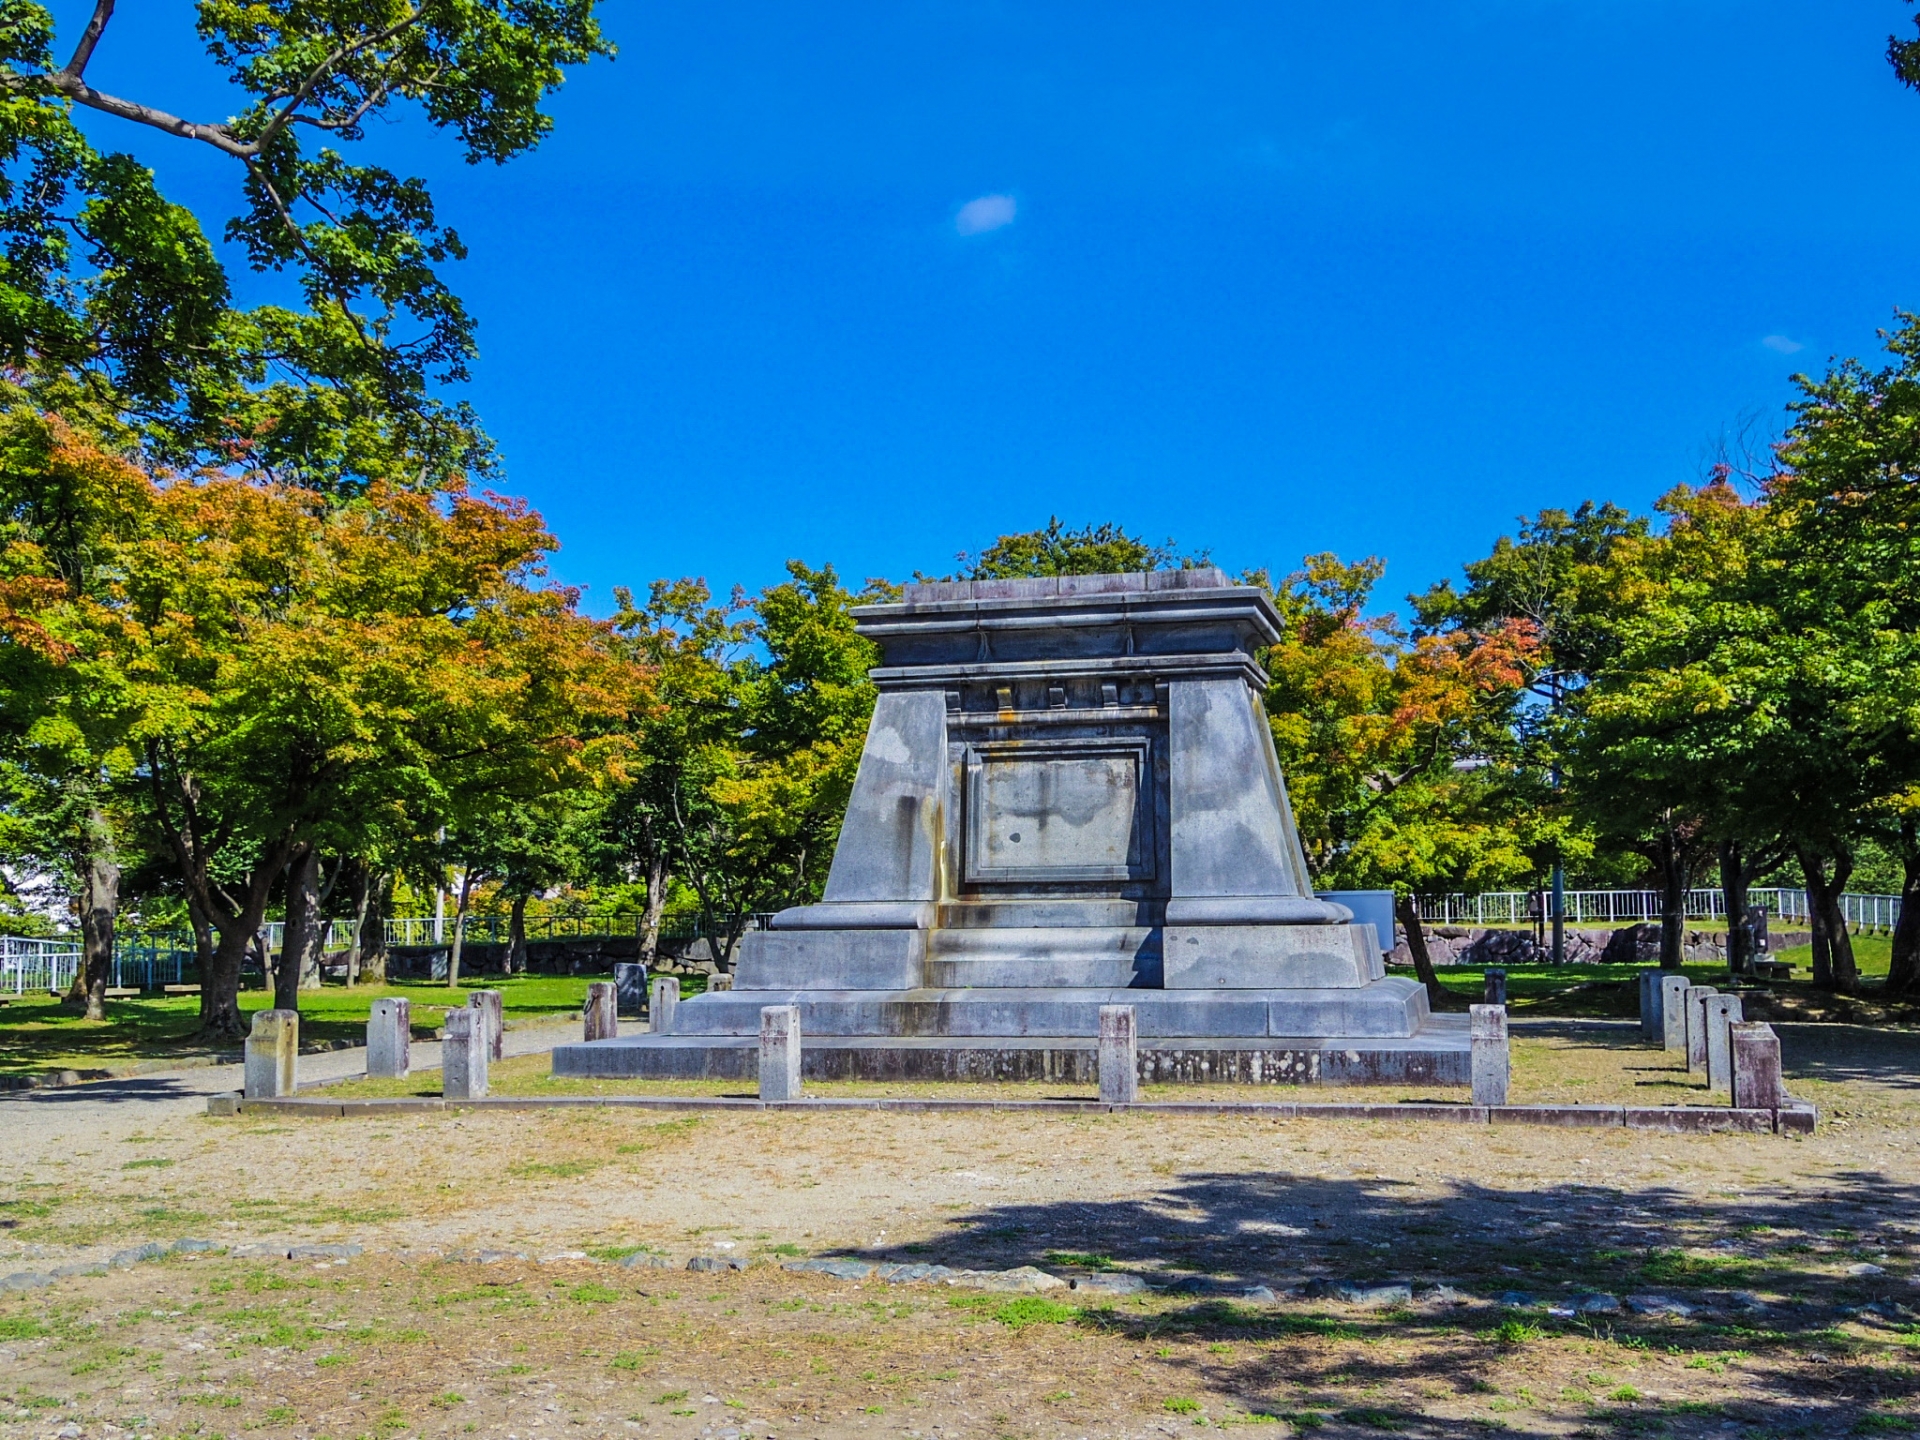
1813	1350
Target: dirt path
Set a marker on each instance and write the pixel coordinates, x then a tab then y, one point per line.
1561	1282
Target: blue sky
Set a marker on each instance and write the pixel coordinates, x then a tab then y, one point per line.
874	283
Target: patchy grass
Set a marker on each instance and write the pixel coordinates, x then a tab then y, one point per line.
37	1033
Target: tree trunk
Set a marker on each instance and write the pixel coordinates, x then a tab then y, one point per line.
1672	860
658	879
373	930
1733	895
362	901
1834	968
300	942
1408	909
459	930
99	904
202	937
1903	975
517	936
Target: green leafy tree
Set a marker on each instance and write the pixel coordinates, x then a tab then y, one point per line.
105	278
1401	752
1091	550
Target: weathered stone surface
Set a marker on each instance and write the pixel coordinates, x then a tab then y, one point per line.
716	1263
1722	1012
122	1259
663	1006
645	1260
1110	1282
1023	1280
780	1056
1493	986
600	1019
835	1269
1119	1056
389	1038
1755	1050
272	1054
464	1055
1694	999
1393	1292
1673	1010
492	1004
25	1280
325	1252
197	1247
1658	1305
630	987
1491	1056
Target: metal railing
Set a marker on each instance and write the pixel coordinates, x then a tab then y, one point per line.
34	964
494	929
1622	907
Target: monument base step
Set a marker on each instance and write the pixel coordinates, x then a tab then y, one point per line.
1393	1008
1440	1054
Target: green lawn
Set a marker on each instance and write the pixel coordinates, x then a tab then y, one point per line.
36	1034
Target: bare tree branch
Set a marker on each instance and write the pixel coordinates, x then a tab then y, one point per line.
90	37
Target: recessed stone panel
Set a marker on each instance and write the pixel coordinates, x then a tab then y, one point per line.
1050	811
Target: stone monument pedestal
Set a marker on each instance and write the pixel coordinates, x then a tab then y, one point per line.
1069	798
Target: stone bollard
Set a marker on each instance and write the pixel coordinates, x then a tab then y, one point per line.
1673	1010
1756	1067
464	1055
666	997
1723	1012
1119	1056
780	1052
603	1011
1650	1031
273	1054
492	1004
1490	1055
389	1039
1494	988
719	984
1695	1000
630	985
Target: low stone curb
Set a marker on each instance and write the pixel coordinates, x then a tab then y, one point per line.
1797	1119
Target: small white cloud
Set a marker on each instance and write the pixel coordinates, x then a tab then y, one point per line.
989	212
1781	345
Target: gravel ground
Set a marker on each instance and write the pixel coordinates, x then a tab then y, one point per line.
1560	1282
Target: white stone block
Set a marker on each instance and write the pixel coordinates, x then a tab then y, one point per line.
273	1054
1119	1056
389	1038
464	1055
1492	1061
780	1052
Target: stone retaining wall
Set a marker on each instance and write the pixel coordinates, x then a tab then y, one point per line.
1630	945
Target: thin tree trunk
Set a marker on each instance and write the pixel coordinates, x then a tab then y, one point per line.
362	902
99	904
1903	975
300	941
459	929
202	937
658	878
1834	968
1672	860
1733	895
517	936
373	930
1408	909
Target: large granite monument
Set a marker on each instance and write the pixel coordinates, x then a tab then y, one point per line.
1069	798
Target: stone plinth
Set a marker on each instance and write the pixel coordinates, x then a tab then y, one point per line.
1069	799
272	1054
390	1038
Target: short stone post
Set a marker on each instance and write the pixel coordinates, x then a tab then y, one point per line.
389	1038
273	1054
603	1010
1491	1058
1673	1009
464	1055
666	997
1119	1056
1756	1067
780	1052
492	1003
1695	999
1723	1012
1650	1029
630	985
1494	987
719	984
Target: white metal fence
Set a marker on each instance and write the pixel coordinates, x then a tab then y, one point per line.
27	964
1618	907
